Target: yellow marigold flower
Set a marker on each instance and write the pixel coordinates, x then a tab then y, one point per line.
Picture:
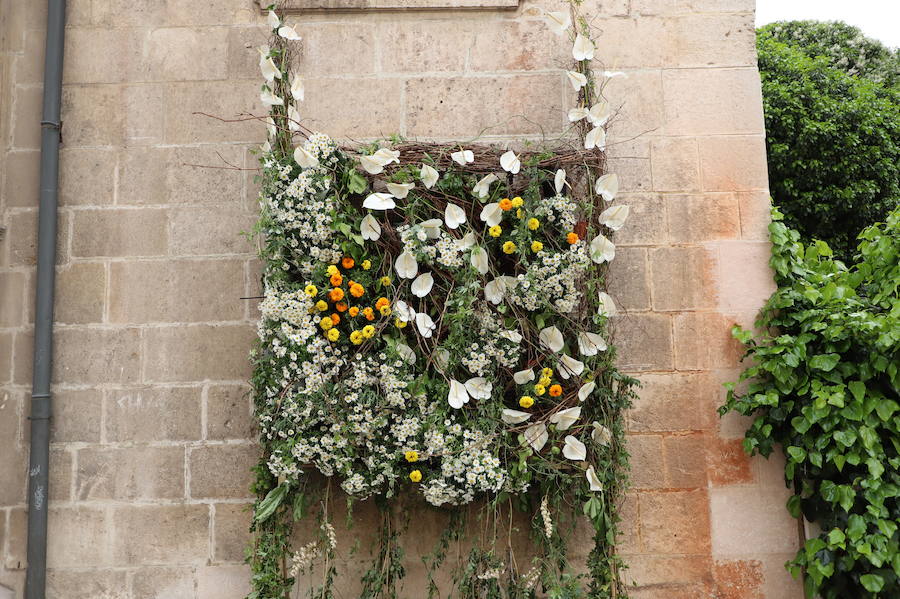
368	331
495	231
321	306
311	290
572	238
353	311
382	301
411	456
333	335
368	313
536	246
517	202
385	281
519	213
526	401
548	372
357	290
545	380
506	204
509	247
415	476
356	337
326	323
555	391
533	223
336	294
366	264
336	279
399	323
335	319
540	389
385	310
332	269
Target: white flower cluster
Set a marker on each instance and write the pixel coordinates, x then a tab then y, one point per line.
554	279
495	345
559	210
467	468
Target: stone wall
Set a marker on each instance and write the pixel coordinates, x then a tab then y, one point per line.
152	435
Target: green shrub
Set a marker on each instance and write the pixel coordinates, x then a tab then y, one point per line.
825	385
833	142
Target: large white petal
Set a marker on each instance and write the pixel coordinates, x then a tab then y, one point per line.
289	33
422	285
479	387
406	353
492	214
269	70
558	22
574	449
457	396
404	311
379	201
551	338
510	162
602	250
566	418
614	217
559	181
298	90
454	216
613	74
589	344
406	265
463	157
441	358
428	175
293	119
495	290
569	366
270	99
273	20
483	187
514	416
593	479
270	126
524	376
576	114
576	79
432	227
596	138
369	228
601	435
304	158
479	260
466	242
599	113
425	324
387	155
536	436
400	190
607	306
583	48
607	186
372	164
585	390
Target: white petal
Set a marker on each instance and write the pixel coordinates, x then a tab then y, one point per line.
264	51
602	250
400	190
457	396
574	449
293	119
614	217
495	290
273	20
454	216
514	416
406	265
589	344
524	376
559	181
569	366
379	201
492	214
304	158
558	21
479	388
612	74
467	241
566	418
576	79
607	307
479	260
536	436
266	147
428	175
585	390
596	138
510	162
593	479
387	155
422	285
289	33
372	164
432	227
369	228
270	99
270	126
425	325
576	114
298	90
607	186
601	435
514	336
441	358
463	157
551	338
599	113
406	353
404	311
583	48
483	187
269	70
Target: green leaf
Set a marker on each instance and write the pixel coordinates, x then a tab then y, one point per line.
798	454
271	502
872	582
856	527
825	362
858	389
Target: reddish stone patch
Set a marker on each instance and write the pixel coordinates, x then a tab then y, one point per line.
738	579
728	463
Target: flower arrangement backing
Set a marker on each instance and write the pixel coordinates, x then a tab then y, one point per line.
434	329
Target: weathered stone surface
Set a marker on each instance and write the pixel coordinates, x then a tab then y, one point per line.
81	293
162	583
156	413
675	522
229	415
207	464
77	416
160	534
132	473
232	531
191	353
682	278
120	232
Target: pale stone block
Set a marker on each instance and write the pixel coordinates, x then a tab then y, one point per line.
675	163
676	522
194	14
755	208
646	221
682	278
26	117
222	471
17	539
748	520
80	293
649	570
12	298
777	581
636	102
644	341
30	63
188	182
93	115
140	172
697	218
716	40
130	473
703	341
144	113
60	482
176	291
162	583
242	54
21	178
630	43
76	416
677	7
222	99
153	414
23	349
634	173
92	356
86	176
211	230
185	53
734	163
13	466
749	291
87	584
729	464
416	45
193	353
231	531
223	582
77	537
628	541
377	110
674	402
628	281
648	469
229	412
120	232
357	54
160	535
105	55
6	357
686	461
128	13
503	45
520	104
712	101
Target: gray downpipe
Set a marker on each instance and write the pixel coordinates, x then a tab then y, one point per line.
36	578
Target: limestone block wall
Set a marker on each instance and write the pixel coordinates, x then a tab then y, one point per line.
152	435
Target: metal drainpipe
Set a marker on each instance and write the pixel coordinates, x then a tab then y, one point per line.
36	579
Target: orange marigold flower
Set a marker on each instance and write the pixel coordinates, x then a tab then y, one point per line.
354	311
382	301
555	390
572	238
335	318
341	307
368	313
356	290
336	279
347	262
506	204
336	294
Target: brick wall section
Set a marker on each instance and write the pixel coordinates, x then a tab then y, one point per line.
152	433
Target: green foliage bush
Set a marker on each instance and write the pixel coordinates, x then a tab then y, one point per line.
825	385
833	141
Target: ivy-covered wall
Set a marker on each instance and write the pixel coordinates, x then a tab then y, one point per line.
152	433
